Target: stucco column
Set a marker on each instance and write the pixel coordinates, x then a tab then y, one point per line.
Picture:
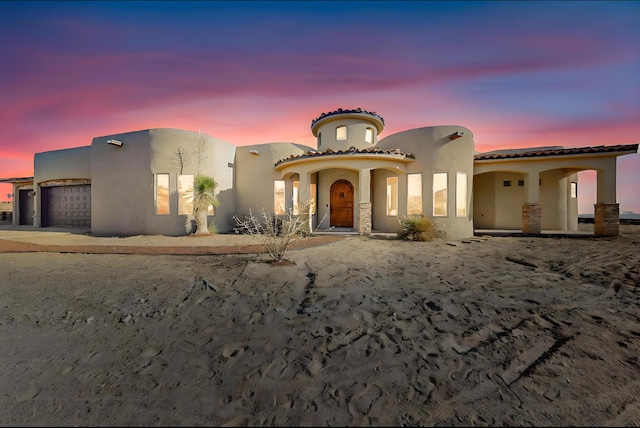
305	196
364	207
15	216
533	187
532	210
606	219
606	183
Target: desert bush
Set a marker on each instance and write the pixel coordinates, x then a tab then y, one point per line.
277	232
416	228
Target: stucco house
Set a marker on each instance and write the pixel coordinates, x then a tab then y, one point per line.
139	182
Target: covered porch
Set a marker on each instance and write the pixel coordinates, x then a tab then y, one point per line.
349	190
535	191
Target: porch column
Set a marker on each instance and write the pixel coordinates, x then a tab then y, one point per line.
531	210
304	198
606	218
364	207
15	216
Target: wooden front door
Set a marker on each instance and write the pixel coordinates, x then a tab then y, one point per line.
341	208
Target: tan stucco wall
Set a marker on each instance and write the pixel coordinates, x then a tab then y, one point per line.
434	152
255	174
484	204
356	129
123	180
66	164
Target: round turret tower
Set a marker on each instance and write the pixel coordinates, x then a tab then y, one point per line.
343	129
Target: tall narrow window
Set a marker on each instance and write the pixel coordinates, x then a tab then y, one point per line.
278	197
185	194
368	136
341	133
574	189
414	194
440	194
461	194
392	195
295	197
162	194
313	191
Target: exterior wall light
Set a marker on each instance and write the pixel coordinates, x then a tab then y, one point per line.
254	152
456	135
115	143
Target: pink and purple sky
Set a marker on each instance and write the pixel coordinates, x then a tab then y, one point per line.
518	74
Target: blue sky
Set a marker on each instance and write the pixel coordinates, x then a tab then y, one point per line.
518	74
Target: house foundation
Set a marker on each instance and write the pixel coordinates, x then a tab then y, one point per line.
531	218
606	220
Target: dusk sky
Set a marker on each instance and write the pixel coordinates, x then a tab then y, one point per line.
517	74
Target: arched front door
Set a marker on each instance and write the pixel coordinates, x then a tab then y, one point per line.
341	208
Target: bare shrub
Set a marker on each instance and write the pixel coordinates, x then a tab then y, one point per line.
277	232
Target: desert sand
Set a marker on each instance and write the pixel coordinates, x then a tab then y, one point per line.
352	331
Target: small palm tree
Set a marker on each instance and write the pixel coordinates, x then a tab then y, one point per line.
203	197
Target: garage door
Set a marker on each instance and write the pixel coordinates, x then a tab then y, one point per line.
66	206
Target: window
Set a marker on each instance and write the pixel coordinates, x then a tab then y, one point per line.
313	192
506	183
278	197
461	194
392	195
341	133
414	194
440	194
295	198
368	136
521	183
185	194
574	189
161	197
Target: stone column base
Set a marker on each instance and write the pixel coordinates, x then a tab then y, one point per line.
364	218
531	219
606	220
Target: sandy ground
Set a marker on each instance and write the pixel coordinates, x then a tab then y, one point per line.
354	331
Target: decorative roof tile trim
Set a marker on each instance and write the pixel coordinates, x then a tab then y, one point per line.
558	152
350	150
15	179
340	111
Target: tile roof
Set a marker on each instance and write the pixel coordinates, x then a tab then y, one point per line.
553	151
350	150
341	111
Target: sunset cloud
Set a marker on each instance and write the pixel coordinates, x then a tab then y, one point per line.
518	74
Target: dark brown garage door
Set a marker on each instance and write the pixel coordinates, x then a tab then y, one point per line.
66	206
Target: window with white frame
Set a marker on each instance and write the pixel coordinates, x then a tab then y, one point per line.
414	194
161	194
341	133
312	201
440	194
185	194
461	194
278	197
295	197
368	135
392	195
